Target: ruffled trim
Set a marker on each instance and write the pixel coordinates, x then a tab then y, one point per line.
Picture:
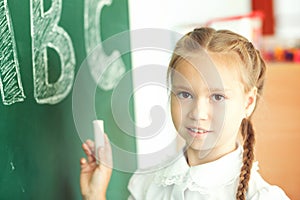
170	180
184	179
193	186
222	172
164	179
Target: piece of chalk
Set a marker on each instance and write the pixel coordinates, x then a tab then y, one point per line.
98	136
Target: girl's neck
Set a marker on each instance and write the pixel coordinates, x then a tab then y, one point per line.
198	157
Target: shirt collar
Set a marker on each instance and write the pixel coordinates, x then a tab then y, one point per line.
219	172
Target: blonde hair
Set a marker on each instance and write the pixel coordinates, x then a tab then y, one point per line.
252	71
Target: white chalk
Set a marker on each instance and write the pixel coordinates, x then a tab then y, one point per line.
98	136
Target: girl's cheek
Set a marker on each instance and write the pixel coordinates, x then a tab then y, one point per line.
219	113
176	112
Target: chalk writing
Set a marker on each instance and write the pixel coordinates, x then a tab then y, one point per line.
105	70
45	32
12	166
10	79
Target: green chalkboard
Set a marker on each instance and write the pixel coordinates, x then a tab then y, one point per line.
42	46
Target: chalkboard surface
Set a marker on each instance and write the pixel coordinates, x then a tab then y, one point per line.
42	46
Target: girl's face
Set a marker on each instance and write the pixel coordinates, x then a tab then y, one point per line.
207	112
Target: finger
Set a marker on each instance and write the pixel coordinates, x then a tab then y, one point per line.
86	149
91	145
106	153
83	162
107	146
87	167
88	152
100	151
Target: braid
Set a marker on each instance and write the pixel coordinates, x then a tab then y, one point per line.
258	69
248	157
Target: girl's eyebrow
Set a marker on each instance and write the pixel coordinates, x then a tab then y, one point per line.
181	87
220	90
210	89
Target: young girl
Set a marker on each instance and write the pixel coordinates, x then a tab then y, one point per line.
216	78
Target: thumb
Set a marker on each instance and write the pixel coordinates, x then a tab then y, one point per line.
105	154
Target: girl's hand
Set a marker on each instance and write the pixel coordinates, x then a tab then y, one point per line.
94	178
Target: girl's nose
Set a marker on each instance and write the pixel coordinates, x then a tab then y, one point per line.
200	110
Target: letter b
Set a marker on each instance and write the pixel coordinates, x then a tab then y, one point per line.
46	33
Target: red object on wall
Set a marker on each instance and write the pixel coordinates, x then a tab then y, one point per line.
266	6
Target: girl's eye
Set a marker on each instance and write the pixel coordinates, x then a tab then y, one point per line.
184	95
218	97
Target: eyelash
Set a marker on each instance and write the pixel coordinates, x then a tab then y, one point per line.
219	95
212	97
180	95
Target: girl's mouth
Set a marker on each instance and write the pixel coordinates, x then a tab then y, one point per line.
197	131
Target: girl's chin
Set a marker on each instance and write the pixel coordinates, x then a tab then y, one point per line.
199	144
197	139
199	147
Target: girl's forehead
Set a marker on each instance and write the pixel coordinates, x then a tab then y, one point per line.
217	71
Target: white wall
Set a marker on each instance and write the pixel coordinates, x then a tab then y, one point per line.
287	18
170	13
177	15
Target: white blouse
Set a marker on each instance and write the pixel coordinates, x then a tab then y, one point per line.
214	180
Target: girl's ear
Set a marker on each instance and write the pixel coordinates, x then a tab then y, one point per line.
250	101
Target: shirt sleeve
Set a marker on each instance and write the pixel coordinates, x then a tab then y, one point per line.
262	190
132	190
259	189
271	192
138	185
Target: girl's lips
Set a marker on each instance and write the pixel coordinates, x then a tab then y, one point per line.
196	132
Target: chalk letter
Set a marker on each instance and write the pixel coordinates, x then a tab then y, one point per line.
46	33
10	78
105	70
